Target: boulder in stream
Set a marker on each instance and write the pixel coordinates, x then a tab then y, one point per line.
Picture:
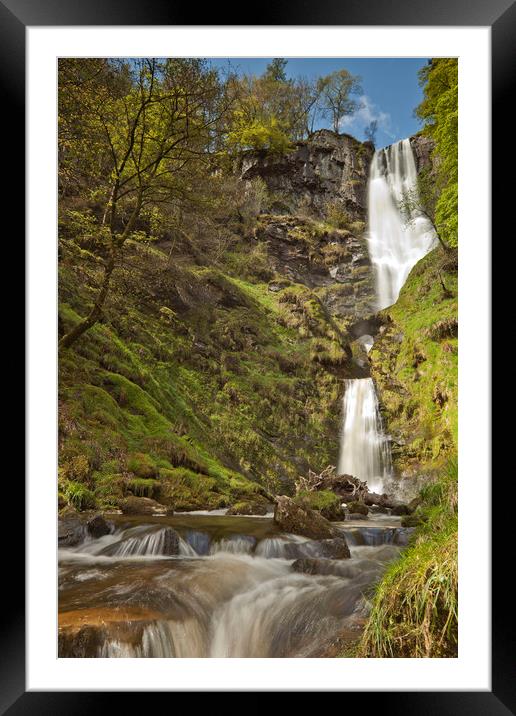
400	509
170	542
98	527
248	508
358	508
324	566
70	529
300	520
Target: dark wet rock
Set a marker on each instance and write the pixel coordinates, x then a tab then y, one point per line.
422	146
378	509
171	541
98	526
276	286
413	520
367	326
200	541
82	643
296	519
248	508
401	509
356	516
309	565
143	506
70	530
357	508
336	548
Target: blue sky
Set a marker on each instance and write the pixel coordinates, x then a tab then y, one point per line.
390	90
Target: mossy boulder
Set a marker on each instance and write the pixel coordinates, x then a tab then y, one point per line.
248	508
358	508
327	503
300	520
143	506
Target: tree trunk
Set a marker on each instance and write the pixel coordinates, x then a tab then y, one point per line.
116	243
93	316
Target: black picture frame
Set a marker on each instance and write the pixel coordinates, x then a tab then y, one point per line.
500	15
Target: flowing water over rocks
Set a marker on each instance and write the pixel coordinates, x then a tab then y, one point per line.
216	586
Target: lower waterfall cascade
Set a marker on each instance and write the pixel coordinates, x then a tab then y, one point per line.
365	451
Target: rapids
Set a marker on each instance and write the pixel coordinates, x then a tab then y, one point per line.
231	591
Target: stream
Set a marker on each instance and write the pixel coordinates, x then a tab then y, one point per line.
233	589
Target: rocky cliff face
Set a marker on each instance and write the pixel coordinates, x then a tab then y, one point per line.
317	217
422	147
326	168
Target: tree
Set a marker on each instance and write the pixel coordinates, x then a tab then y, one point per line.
422	202
271	112
439	112
132	131
336	90
275	70
370	131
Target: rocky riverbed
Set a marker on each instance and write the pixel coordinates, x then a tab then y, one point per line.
212	585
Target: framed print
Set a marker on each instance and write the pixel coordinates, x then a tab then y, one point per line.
258	267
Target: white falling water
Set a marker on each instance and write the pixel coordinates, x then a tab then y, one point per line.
397	239
364	451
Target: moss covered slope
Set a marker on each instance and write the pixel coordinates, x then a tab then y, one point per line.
199	386
414	363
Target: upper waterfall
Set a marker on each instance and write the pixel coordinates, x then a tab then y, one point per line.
397	239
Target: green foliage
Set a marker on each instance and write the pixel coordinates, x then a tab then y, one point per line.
143	488
415	606
142	465
439	112
79	496
417	377
257	133
76	469
336	214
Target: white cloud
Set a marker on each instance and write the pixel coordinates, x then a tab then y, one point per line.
366	113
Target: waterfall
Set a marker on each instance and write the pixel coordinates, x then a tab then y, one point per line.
365	451
397	239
